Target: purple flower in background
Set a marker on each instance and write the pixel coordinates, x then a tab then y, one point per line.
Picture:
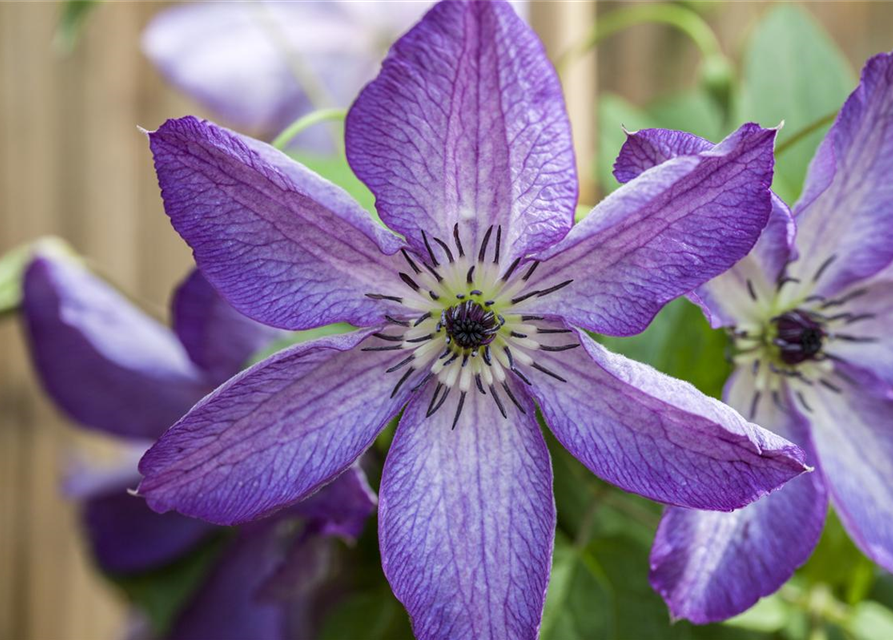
113	369
815	364
475	319
260	65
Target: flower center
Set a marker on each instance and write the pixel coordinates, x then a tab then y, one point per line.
464	325
799	337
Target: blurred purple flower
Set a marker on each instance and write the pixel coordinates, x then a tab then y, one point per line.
815	363
261	65
464	140
112	368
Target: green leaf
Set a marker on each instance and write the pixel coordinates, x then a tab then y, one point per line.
793	72
337	170
297	337
371	615
71	23
871	621
836	563
769	614
693	111
161	594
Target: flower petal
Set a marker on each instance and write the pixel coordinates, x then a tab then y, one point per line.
282	245
710	566
658	436
126	536
342	507
467	521
103	361
466	124
275	433
728	298
226	606
870	342
218	338
660	236
847	208
855	447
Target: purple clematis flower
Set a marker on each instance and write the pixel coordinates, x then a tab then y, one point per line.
473	320
815	363
113	369
256	64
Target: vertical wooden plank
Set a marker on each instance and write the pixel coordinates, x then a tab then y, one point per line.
561	24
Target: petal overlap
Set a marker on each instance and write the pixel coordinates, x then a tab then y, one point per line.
658	436
102	360
658	237
466	124
273	434
281	244
467	521
710	566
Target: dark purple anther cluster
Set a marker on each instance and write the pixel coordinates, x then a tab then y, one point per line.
799	337
469	325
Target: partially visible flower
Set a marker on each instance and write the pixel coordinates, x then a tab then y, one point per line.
814	349
261	65
479	314
113	369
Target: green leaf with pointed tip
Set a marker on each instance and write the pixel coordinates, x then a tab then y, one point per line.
792	72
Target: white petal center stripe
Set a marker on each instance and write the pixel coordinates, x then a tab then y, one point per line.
792	343
463	322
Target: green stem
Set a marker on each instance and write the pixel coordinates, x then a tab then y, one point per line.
804	132
687	21
304	122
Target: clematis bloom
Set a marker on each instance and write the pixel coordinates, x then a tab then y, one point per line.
113	369
810	324
469	322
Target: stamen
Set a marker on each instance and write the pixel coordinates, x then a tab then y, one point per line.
564	347
515	334
422	382
539	367
446	248
530	271
540	294
861	316
554	330
508	390
412	264
433	271
421	319
828	385
380	296
458	241
440	402
402	323
430	252
510	270
483	252
409	281
458	410
753	405
388	348
433	295
469	277
822	267
848	338
424	338
521	375
498	243
434	399
750	290
776	398
498	401
479	382
384	336
401	381
784	280
850	296
400	364
803	401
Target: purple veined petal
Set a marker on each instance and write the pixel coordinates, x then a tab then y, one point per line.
746	292
854	443
708	565
658	436
240	59
218	338
658	237
728	298
648	148
275	433
869	340
467	520
281	244
466	124
103	361
227	606
847	209
342	507
126	536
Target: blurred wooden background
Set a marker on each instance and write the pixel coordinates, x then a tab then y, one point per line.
72	163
